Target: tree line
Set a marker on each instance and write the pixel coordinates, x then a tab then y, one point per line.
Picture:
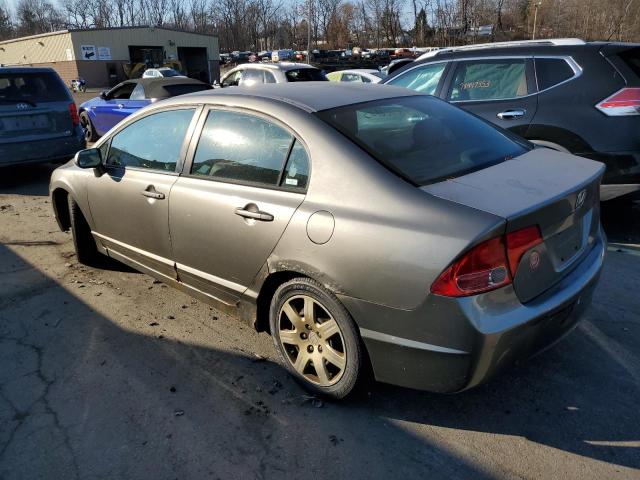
266	24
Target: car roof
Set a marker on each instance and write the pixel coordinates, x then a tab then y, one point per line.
154	87
284	66
26	69
358	70
308	96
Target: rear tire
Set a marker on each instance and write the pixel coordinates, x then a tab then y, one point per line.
86	250
90	134
316	338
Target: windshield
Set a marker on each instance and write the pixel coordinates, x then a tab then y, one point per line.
424	139
305	75
31	88
169	73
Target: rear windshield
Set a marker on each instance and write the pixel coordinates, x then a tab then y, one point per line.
424	139
632	59
183	89
32	88
305	75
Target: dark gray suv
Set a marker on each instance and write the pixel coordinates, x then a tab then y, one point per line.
38	118
565	94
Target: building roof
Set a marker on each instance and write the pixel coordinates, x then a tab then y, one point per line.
309	96
72	30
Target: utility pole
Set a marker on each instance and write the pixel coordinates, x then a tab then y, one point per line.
535	18
309	31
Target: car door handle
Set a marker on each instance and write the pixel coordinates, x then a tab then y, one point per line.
510	114
120	105
255	215
150	192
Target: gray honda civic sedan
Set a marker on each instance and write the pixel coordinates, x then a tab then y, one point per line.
367	228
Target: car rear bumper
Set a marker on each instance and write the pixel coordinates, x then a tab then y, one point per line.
41	151
448	345
622	175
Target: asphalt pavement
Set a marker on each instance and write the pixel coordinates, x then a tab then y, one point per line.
109	374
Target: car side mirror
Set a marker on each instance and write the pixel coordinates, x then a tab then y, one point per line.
104	95
89	158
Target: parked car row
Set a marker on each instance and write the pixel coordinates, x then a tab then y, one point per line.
365	227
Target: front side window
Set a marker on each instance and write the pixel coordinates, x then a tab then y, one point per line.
423	139
122	92
240	147
351	77
422	79
233	79
489	80
153	142
269	78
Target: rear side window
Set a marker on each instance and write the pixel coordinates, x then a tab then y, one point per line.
183	89
632	59
32	87
269	78
552	71
242	148
421	79
305	75
489	80
252	77
138	93
153	142
296	173
422	138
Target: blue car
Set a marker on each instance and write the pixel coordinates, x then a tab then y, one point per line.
100	114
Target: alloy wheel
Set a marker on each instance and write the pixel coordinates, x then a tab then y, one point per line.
312	340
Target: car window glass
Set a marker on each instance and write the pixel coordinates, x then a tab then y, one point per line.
364	79
153	142
421	79
305	75
268	77
251	76
296	173
552	71
138	93
489	80
122	92
351	77
233	79
423	138
32	87
241	147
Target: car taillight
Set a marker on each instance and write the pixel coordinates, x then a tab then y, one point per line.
73	111
488	265
622	103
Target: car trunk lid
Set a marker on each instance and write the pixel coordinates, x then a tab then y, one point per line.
33	106
20	122
555	191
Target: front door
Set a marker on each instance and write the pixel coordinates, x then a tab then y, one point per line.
108	112
231	205
129	201
500	90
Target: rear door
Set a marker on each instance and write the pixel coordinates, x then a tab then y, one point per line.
232	203
33	106
501	90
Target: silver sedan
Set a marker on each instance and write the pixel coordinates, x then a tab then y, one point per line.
367	228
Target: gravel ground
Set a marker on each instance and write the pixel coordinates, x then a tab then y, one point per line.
109	374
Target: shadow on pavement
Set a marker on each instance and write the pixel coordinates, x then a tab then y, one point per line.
26	179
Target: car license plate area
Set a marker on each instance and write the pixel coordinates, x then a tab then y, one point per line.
24	123
565	245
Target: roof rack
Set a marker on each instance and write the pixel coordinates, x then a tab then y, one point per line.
517	43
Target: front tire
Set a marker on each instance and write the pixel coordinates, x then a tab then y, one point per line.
316	338
86	250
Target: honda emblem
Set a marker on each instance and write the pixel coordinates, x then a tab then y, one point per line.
580	199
